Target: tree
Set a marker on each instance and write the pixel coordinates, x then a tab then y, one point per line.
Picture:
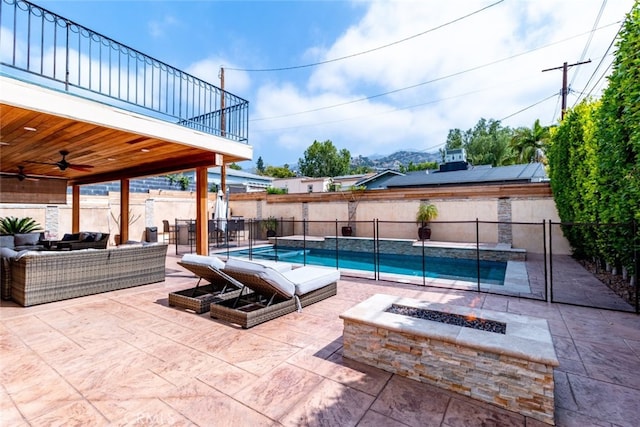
260	166
530	144
486	143
412	167
323	159
235	166
279	172
362	169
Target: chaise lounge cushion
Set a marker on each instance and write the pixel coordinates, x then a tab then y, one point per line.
298	281
310	278
210	261
265	272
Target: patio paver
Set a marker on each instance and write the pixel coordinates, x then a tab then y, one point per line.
126	358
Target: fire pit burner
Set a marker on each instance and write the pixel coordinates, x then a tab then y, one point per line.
468	321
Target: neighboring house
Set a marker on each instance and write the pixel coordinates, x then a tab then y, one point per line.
302	184
240	181
379	180
472	175
345	182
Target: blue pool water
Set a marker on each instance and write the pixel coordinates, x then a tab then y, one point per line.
491	272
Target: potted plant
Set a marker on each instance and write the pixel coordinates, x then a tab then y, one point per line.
270	225
426	212
132	218
13	225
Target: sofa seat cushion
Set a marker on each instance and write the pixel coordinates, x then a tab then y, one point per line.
8	252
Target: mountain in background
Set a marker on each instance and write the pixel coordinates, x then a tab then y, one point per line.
380	162
393	161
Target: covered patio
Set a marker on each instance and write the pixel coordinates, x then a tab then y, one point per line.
125	357
92	110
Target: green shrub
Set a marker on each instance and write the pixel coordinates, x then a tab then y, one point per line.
13	225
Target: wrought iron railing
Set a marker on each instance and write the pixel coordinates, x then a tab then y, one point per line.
42	47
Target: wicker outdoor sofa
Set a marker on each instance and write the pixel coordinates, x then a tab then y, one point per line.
45	276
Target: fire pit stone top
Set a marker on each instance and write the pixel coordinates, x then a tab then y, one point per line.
526	337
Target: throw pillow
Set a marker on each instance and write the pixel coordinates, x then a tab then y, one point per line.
27	239
7	241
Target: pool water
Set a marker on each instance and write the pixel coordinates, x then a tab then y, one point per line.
491	272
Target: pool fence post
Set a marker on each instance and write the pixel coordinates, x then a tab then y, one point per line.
376	250
544	258
304	241
551	260
478	252
337	263
424	267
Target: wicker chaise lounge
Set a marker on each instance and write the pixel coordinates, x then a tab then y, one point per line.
220	286
268	293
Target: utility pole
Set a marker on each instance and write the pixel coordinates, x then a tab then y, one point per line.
564	69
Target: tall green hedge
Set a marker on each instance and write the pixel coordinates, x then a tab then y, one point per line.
594	159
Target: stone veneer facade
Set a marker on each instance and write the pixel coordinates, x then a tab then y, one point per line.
514	372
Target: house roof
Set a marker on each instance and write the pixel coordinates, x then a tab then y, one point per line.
379	179
474	175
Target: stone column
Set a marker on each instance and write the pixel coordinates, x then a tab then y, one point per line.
51	221
505	228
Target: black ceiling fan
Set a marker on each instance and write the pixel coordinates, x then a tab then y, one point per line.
20	175
63	164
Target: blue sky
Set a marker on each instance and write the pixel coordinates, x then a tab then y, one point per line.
413	69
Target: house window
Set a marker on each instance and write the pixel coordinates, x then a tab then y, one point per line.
309	188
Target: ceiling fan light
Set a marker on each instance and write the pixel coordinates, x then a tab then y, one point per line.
29	128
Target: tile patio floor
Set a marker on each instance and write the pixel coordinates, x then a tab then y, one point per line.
126	358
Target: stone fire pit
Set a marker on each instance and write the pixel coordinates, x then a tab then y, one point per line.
510	366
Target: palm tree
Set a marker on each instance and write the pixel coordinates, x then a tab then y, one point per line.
529	144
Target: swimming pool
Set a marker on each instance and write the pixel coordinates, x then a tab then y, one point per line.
491	272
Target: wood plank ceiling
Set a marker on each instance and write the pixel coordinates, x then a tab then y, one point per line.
31	141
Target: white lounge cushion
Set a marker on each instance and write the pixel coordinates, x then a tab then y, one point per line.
309	278
211	261
265	272
255	264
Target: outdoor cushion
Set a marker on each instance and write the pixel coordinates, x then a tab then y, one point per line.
310	278
7	252
26	239
250	265
264	271
212	261
7	241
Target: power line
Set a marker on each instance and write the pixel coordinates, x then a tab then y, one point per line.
370	50
600	63
586	47
428	81
530	106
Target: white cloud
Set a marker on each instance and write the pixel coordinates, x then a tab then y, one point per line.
509	29
158	29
